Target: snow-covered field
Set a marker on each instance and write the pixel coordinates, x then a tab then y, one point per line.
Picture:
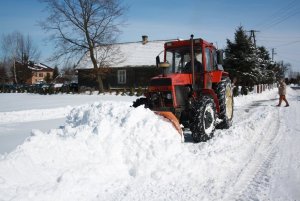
98	148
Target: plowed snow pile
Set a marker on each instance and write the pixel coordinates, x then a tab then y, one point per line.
102	148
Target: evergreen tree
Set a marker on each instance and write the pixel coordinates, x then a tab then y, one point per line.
3	74
266	66
55	72
242	61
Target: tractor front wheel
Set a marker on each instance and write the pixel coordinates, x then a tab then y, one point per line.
203	119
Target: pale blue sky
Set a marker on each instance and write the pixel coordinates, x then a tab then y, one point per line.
277	20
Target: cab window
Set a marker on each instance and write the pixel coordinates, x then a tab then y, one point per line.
208	59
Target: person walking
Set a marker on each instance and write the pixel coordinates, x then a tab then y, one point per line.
282	93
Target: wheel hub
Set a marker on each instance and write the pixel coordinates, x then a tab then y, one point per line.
229	110
208	119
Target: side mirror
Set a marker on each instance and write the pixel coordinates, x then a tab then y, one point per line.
157	61
220	57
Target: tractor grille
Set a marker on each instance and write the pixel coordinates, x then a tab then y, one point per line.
161	99
182	93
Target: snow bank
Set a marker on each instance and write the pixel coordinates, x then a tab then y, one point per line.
110	151
102	147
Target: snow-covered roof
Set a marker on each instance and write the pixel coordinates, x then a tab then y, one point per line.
35	66
132	54
39	67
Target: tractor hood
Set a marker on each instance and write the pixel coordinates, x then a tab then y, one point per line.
171	80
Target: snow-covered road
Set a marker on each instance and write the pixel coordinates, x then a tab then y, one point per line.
109	151
270	171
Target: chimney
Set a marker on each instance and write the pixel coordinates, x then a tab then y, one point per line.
144	39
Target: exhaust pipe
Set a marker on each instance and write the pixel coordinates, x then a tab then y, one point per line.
192	60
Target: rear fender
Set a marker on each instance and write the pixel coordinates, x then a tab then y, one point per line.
218	75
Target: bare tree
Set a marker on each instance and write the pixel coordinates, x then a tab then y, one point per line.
18	48
281	69
85	27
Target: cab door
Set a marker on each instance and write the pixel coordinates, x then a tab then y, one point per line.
209	67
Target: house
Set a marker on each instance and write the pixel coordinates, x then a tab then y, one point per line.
137	65
32	73
40	73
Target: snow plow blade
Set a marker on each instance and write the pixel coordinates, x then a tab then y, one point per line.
173	119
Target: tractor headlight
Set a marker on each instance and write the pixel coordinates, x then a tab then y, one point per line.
169	96
154	96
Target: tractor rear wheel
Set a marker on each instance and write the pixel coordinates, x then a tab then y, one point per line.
225	96
204	119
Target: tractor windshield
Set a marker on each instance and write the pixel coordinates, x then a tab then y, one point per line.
180	60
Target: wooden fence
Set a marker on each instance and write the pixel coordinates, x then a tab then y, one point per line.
263	87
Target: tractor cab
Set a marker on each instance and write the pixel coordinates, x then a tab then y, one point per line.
196	60
180	60
193	89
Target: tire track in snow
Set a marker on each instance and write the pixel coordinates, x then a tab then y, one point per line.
253	180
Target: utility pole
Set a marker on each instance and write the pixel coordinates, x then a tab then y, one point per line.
273	53
252	36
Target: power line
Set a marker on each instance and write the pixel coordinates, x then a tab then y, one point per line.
281	20
280	15
285	43
290	43
282	39
279	12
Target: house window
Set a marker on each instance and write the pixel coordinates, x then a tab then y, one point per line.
121	76
41	75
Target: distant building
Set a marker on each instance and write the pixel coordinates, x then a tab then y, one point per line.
137	65
40	73
33	73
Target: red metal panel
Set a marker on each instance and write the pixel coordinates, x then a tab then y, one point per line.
216	76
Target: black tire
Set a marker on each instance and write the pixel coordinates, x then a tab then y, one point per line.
203	119
225	96
140	101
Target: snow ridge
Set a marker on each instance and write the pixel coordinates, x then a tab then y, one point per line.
34	115
101	145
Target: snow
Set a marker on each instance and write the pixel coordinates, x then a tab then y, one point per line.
107	150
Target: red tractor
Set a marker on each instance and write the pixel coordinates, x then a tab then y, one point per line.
193	90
